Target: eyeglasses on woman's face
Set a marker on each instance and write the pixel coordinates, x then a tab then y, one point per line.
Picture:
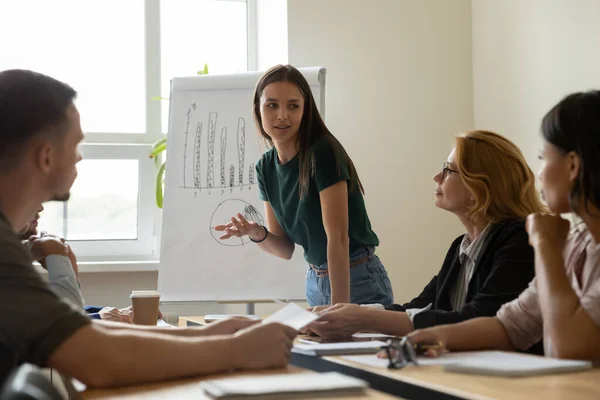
446	170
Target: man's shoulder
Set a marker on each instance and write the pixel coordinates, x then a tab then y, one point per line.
12	250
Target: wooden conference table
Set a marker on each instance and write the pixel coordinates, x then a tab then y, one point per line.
422	382
188	388
432	382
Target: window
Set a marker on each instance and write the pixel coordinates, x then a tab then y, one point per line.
87	44
197	32
118	55
101	207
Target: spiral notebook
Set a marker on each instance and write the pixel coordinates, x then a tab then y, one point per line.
338	349
494	363
500	363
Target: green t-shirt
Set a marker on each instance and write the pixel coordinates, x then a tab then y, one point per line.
301	219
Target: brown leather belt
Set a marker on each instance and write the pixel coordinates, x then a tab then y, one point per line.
322	273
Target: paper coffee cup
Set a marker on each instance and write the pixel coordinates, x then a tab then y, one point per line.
145	306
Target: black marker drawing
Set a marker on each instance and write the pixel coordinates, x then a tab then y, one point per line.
212	127
251	174
222	214
197	154
187	127
223	154
205	143
241	137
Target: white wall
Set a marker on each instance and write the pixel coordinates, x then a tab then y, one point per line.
113	289
527	55
399	87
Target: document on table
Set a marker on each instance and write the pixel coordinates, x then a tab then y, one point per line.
371	335
336	349
498	363
293	316
270	386
162	322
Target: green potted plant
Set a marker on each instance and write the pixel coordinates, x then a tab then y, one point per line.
158	148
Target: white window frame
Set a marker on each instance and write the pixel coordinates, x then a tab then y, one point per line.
143	247
141	254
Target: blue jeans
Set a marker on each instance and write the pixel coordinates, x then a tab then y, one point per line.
369	282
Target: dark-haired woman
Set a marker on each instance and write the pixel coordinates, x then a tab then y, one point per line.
562	303
313	197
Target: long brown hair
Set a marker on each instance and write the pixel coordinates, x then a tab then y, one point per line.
496	173
312	127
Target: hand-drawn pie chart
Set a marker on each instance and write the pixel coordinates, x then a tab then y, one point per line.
222	215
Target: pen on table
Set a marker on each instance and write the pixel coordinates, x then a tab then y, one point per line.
422	348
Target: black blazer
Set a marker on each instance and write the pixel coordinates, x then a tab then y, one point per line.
505	268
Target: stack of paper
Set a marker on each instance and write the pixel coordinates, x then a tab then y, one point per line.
281	386
371	335
337	349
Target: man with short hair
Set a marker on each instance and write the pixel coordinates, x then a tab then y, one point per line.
39	137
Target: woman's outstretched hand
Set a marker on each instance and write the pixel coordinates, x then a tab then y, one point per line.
240	226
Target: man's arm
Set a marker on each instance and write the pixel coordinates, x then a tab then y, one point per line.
43	330
103	357
224	327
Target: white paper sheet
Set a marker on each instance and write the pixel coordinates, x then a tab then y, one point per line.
371	346
286	383
163	323
370	335
500	363
373	361
293	316
491	360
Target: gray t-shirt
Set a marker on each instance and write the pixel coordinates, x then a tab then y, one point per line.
33	321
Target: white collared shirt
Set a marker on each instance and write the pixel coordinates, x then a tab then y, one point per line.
469	254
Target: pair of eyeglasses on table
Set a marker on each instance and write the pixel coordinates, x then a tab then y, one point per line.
401	351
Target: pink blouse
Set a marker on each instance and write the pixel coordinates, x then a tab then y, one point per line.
522	317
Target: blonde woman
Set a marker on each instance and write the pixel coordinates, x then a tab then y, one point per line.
488	185
562	304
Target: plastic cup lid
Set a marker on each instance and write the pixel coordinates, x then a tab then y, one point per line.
144	293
